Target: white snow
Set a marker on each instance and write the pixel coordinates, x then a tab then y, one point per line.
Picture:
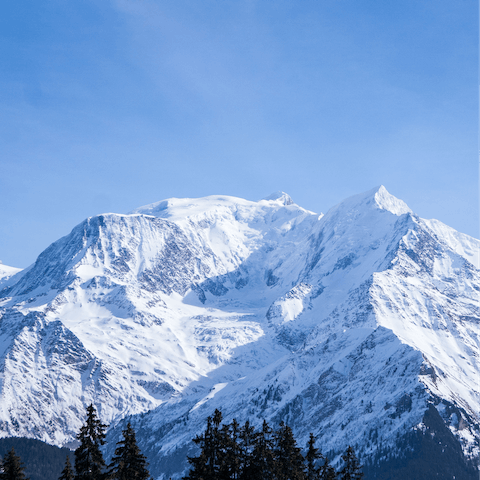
390	203
6	272
466	246
216	388
187	305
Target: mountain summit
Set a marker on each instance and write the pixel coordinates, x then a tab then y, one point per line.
360	325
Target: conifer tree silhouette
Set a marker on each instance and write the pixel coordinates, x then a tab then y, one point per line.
89	462
67	472
247	438
230	452
352	470
327	472
128	462
288	457
262	464
313	454
207	463
12	468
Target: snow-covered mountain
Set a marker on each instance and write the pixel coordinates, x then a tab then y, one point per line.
6	272
361	325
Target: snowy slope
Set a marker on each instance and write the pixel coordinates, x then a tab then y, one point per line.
7	272
349	324
380	304
128	292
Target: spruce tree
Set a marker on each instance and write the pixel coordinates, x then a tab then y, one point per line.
199	469
247	439
327	472
262	460
352	470
207	464
12	468
89	462
216	450
313	454
128	462
230	457
289	460
235	451
67	472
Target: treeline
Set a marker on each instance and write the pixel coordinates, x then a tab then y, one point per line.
234	452
42	461
227	452
128	463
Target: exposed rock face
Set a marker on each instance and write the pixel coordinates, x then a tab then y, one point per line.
352	325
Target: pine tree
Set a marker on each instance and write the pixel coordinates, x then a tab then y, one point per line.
235	451
247	439
216	450
288	457
313	454
262	460
230	455
199	469
89	462
352	469
128	462
207	464
12	467
326	471
67	472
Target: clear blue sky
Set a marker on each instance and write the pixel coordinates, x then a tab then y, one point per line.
109	105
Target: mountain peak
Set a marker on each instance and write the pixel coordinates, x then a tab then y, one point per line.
192	304
280	197
386	201
366	203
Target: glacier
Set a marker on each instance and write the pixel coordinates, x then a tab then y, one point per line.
360	325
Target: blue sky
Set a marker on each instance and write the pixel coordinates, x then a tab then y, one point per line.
110	105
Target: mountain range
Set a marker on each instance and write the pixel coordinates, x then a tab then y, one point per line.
360	325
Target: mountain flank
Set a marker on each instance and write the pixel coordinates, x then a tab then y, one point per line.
360	326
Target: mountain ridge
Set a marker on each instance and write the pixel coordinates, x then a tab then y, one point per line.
263	308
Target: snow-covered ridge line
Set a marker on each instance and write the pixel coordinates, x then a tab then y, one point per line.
7	272
264	309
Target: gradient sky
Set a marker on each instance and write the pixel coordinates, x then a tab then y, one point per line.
110	105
